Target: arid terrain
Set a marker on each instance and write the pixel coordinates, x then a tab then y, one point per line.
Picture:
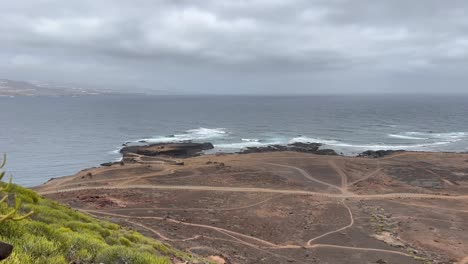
286	207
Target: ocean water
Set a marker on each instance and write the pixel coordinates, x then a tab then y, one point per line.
47	137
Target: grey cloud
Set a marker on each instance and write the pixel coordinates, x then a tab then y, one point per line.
256	46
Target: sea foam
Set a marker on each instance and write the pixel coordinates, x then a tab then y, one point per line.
450	136
189	135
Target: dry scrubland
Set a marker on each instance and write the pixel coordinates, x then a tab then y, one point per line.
286	207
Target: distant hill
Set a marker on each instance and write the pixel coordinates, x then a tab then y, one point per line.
21	88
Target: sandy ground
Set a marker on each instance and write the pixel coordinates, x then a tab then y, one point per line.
287	207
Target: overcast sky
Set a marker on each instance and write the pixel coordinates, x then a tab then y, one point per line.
239	46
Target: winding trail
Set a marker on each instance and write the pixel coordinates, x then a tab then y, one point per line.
307	175
198	209
309	243
265	190
361	249
221	230
268	245
236	240
345	247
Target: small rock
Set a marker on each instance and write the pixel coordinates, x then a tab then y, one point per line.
5	250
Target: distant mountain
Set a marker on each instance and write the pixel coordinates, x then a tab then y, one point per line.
21	88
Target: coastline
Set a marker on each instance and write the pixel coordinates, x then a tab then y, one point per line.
270	203
167	152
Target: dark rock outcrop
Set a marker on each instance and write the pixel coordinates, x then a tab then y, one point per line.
5	250
378	153
179	150
108	164
313	148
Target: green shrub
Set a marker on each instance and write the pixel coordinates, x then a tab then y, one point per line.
122	255
57	234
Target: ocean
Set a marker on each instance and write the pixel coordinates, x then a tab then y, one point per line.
47	137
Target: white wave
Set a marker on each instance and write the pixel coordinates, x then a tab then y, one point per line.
248	143
241	145
303	139
406	137
449	135
197	134
437	140
114	152
250	140
390	147
207	132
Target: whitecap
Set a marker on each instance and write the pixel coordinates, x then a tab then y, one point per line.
197	134
250	140
390	147
241	145
406	137
248	143
114	152
449	136
303	139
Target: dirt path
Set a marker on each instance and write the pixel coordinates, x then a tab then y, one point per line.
307	175
464	260
197	209
371	174
361	249
236	240
232	234
221	230
344	177
265	190
338	230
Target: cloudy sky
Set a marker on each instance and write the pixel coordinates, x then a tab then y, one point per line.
239	46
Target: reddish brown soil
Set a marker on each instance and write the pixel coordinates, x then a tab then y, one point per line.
287	207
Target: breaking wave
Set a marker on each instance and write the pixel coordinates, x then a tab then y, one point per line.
248	143
303	139
189	135
225	141
451	136
406	137
389	147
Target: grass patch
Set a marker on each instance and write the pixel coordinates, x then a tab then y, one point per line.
57	234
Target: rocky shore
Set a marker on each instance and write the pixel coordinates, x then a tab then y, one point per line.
313	148
179	150
379	153
191	149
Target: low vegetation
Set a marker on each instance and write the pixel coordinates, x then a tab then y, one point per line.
56	234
